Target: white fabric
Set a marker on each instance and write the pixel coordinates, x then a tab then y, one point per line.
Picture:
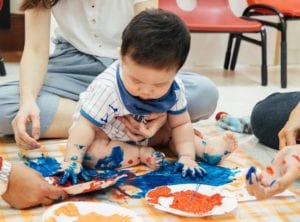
93	26
102	103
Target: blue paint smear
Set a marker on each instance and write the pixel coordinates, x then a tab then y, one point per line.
216	175
111	162
251	170
47	166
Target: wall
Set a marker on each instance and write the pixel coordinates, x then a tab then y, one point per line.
209	49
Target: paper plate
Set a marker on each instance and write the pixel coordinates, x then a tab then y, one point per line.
84	187
184	200
88	211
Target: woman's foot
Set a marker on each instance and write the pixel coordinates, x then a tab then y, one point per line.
153	159
214	149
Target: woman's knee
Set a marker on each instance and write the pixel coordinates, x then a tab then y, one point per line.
9	105
202	95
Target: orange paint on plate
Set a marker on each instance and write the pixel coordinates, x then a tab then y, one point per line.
50	219
159	192
71	210
193	202
97	217
188	201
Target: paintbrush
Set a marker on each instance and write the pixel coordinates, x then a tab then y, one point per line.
196	191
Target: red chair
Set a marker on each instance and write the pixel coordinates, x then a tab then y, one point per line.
2	66
216	16
285	10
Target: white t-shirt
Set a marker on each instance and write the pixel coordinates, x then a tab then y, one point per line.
93	26
101	103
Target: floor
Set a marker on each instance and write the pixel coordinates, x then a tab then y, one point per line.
239	91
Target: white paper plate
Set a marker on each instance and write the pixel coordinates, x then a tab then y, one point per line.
229	202
90	210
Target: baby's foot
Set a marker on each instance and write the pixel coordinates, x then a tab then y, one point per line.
214	149
153	159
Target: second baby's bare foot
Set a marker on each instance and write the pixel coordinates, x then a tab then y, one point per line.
153	159
214	149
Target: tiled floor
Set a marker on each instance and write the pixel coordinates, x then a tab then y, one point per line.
239	91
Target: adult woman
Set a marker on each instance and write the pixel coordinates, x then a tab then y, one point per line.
276	123
86	42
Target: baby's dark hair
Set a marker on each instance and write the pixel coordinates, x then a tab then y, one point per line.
156	38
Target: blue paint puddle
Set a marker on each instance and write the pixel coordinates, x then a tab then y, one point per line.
215	176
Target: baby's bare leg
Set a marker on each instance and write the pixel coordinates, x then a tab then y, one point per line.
214	149
107	154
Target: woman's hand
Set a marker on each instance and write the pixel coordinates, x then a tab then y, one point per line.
291	131
27	188
139	130
28	114
278	176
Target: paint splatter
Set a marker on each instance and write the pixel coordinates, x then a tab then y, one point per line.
215	176
269	170
111	162
130	161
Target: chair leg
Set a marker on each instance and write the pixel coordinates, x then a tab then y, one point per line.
283	54
228	51
2	67
235	51
264	66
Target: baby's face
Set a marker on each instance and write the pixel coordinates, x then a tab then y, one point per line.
145	82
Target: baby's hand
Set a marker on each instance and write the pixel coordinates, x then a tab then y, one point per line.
73	170
188	166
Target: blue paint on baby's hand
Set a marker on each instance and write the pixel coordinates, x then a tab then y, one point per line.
251	170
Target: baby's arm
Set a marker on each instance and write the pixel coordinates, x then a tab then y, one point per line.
184	145
81	137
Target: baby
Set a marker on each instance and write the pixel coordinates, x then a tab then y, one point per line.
143	81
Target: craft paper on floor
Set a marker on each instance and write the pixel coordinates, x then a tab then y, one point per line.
88	212
188	200
85	187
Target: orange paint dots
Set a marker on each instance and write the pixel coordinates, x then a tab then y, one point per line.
71	210
130	161
269	170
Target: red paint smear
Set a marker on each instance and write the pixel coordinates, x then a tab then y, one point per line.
269	170
130	161
188	201
283	162
296	157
